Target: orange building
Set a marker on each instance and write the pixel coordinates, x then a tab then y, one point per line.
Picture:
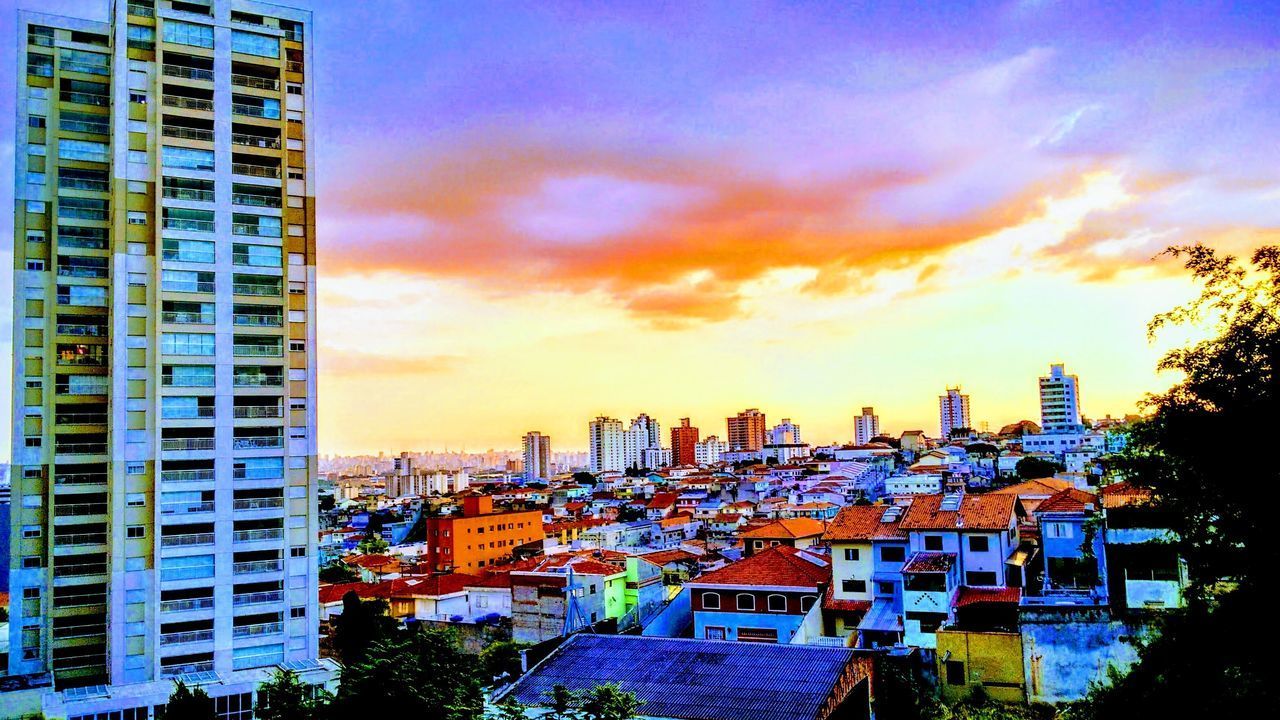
747	430
479	537
683	439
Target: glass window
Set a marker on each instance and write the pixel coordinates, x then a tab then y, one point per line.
255	255
83	150
184	33
187	343
255	44
189	158
83	61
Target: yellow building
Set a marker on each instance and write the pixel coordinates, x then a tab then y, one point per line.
990	659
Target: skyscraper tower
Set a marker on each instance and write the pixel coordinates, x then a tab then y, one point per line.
606	443
866	426
684	440
746	430
953	411
537	456
1059	401
164	444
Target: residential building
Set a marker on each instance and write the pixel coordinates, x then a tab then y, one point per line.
164	444
798	533
746	431
761	598
868	548
479	536
1072	545
709	450
866	426
1059	402
606	444
559	594
953	412
784	433
537	456
684	442
655	458
643	434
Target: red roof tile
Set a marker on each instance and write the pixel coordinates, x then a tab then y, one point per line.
789	528
977	595
976	512
1123	494
781	565
1070	500
864	522
929	562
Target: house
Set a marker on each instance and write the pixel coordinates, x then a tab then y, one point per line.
490	595
822	511
705	680
1145	571
672	531
797	533
868	548
1072	545
540	607
761	598
981	647
677	565
661	505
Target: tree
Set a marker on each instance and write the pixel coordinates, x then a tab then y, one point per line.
1215	658
189	704
372	544
285	697
416	673
629	513
584	478
958	433
509	709
561	700
1031	468
502	658
889	440
361	624
338	572
610	702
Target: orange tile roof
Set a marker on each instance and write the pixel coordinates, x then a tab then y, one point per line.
976	595
789	528
1069	500
977	512
864	522
781	566
929	562
1032	488
1123	494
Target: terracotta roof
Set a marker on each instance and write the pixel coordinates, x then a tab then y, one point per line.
1032	488
334	593
1070	500
1123	494
663	500
789	528
370	561
831	602
864	522
662	557
674	520
493	580
778	566
976	512
581	565
979	595
929	562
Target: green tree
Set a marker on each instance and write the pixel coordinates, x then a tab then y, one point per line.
361	624
189	704
584	478
338	572
502	658
562	702
1216	657
286	697
629	512
372	544
508	709
610	702
417	673
1032	468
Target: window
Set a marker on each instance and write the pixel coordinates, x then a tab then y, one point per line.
35	265
892	554
135	468
710	601
186	158
35	206
255	44
31	561
30	531
184	33
980	578
853	586
298	612
187	343
955	672
777	603
82	150
851	554
138	97
884	588
932	542
137	217
979	543
298	551
746	601
135	531
1057	530
294	88
142	37
297	346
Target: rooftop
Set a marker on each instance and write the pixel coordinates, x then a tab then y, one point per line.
972	512
780	566
866	522
790	528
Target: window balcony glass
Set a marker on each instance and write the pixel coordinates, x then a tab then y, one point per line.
272	628
79	539
257	411
257	379
187	318
177	476
186	133
257	598
255	82
178	444
255	200
187	413
78	509
186	605
187	286
84	98
272	503
173	671
80	448
80	418
185	508
257	566
188	103
257	474
182	638
79	478
82	329
262	171
258	141
258	350
188	73
247	536
249	320
189	540
175	223
266	111
79	569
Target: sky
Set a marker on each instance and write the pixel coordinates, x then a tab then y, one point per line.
531	214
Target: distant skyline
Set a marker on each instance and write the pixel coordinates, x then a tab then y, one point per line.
533	214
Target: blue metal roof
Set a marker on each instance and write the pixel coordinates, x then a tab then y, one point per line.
694	679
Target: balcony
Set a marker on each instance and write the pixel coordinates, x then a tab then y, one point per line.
190	540
255	82
187	318
293	66
188	103
173	444
255	230
79	539
80	448
177	193
141	10
84	98
79	631
248	536
186	133
256	289
258	443
79	478
189	225
79	569
84	126
257	111
188	73
82	329
258	351
257	141
257	598
186	605
258	474
255	200
191	636
257	380
262	171
187	286
257	411
251	320
271	503
80	418
177	476
81	509
187	413
186	508
173	671
271	628
97	386
257	566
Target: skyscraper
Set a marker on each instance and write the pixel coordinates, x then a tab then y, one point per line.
684	438
606	444
784	433
866	426
1059	401
537	456
746	431
164	445
953	412
644	434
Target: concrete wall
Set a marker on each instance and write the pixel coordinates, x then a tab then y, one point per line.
992	660
1064	650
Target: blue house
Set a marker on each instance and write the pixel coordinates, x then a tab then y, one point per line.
1073	551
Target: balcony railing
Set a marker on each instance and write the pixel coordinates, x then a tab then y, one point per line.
257	380
82	330
75	539
86	243
256	289
189	194
186	508
84	98
141	10
273	503
262	171
89	388
79	478
186	605
79	631
188	73
258	443
259	535
187	413
258	598
270	628
293	66
80	569
257	411
187	318
84	448
249	320
82	272
257	141
82	126
186	475
255	230
172	671
186	540
186	133
186	444
257	111
255	200
188	103
253	81
186	286
78	213
257	351
180	638
257	566
79	509
80	418
258	474
189	225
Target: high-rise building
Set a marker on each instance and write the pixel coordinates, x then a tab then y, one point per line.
643	434
866	426
164	434
683	439
606	444
746	431
785	433
709	449
1059	402
953	411
537	456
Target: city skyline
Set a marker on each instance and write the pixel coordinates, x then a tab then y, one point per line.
1007	194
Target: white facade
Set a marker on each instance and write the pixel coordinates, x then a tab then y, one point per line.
913	484
953	412
644	434
866	426
1059	402
785	433
537	456
709	450
606	444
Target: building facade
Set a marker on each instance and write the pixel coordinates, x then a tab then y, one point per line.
537	456
684	440
478	537
164	445
606	444
1059	402
866	426
953	412
746	431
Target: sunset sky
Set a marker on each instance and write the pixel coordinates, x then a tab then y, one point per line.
534	213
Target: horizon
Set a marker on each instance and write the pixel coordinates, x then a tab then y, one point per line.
531	216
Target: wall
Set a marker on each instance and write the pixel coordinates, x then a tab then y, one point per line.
1064	650
672	621
859	569
991	659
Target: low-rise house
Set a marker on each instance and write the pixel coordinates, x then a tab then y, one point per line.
540	596
1072	547
761	598
1145	570
797	533
868	549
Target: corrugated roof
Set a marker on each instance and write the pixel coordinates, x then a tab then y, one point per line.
695	679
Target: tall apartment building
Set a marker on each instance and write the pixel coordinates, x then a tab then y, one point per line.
953	412
164	446
537	456
784	433
746	431
866	426
708	450
684	437
478	536
605	444
644	434
1059	402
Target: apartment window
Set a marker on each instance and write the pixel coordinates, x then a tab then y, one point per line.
932	542
980	578
82	150
297	346
187	343
138	97
255	44
978	543
955	672
35	265
30	532
1057	530
142	37
293	116
186	158
31	561
298	551
298	612
137	217
184	33
135	500
35	206
710	601
297	288
746	601
777	603
294	88
36	236
135	468
851	554
138	279
892	554
884	588
135	532
853	586
35	178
